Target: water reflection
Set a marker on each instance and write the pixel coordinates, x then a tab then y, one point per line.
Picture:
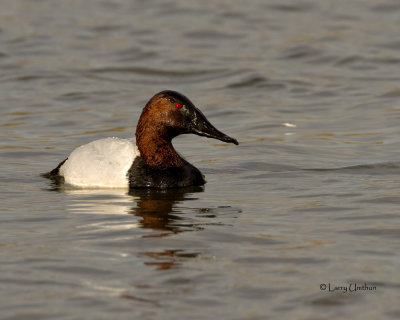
167	259
158	211
156	208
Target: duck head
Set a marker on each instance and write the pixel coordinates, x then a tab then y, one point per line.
170	113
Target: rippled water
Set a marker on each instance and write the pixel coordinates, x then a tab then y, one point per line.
308	201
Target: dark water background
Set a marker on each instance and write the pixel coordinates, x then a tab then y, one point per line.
311	196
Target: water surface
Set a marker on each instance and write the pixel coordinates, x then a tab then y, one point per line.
310	197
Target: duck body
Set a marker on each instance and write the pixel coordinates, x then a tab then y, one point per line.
150	163
142	176
100	163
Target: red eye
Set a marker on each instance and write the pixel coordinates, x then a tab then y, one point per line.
178	105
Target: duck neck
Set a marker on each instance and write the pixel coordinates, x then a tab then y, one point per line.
156	151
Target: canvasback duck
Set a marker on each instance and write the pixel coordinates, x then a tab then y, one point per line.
153	161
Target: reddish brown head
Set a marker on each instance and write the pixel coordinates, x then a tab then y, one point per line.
167	115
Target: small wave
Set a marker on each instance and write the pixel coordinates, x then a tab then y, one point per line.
301	52
292	7
212	34
372	169
395	93
156	72
258	82
77	95
146	75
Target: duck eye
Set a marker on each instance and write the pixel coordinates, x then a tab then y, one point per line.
178	105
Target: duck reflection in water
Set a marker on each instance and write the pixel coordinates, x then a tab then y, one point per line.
155	208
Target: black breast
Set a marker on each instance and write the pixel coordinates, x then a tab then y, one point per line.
142	176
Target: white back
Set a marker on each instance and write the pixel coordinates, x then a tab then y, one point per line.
101	163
